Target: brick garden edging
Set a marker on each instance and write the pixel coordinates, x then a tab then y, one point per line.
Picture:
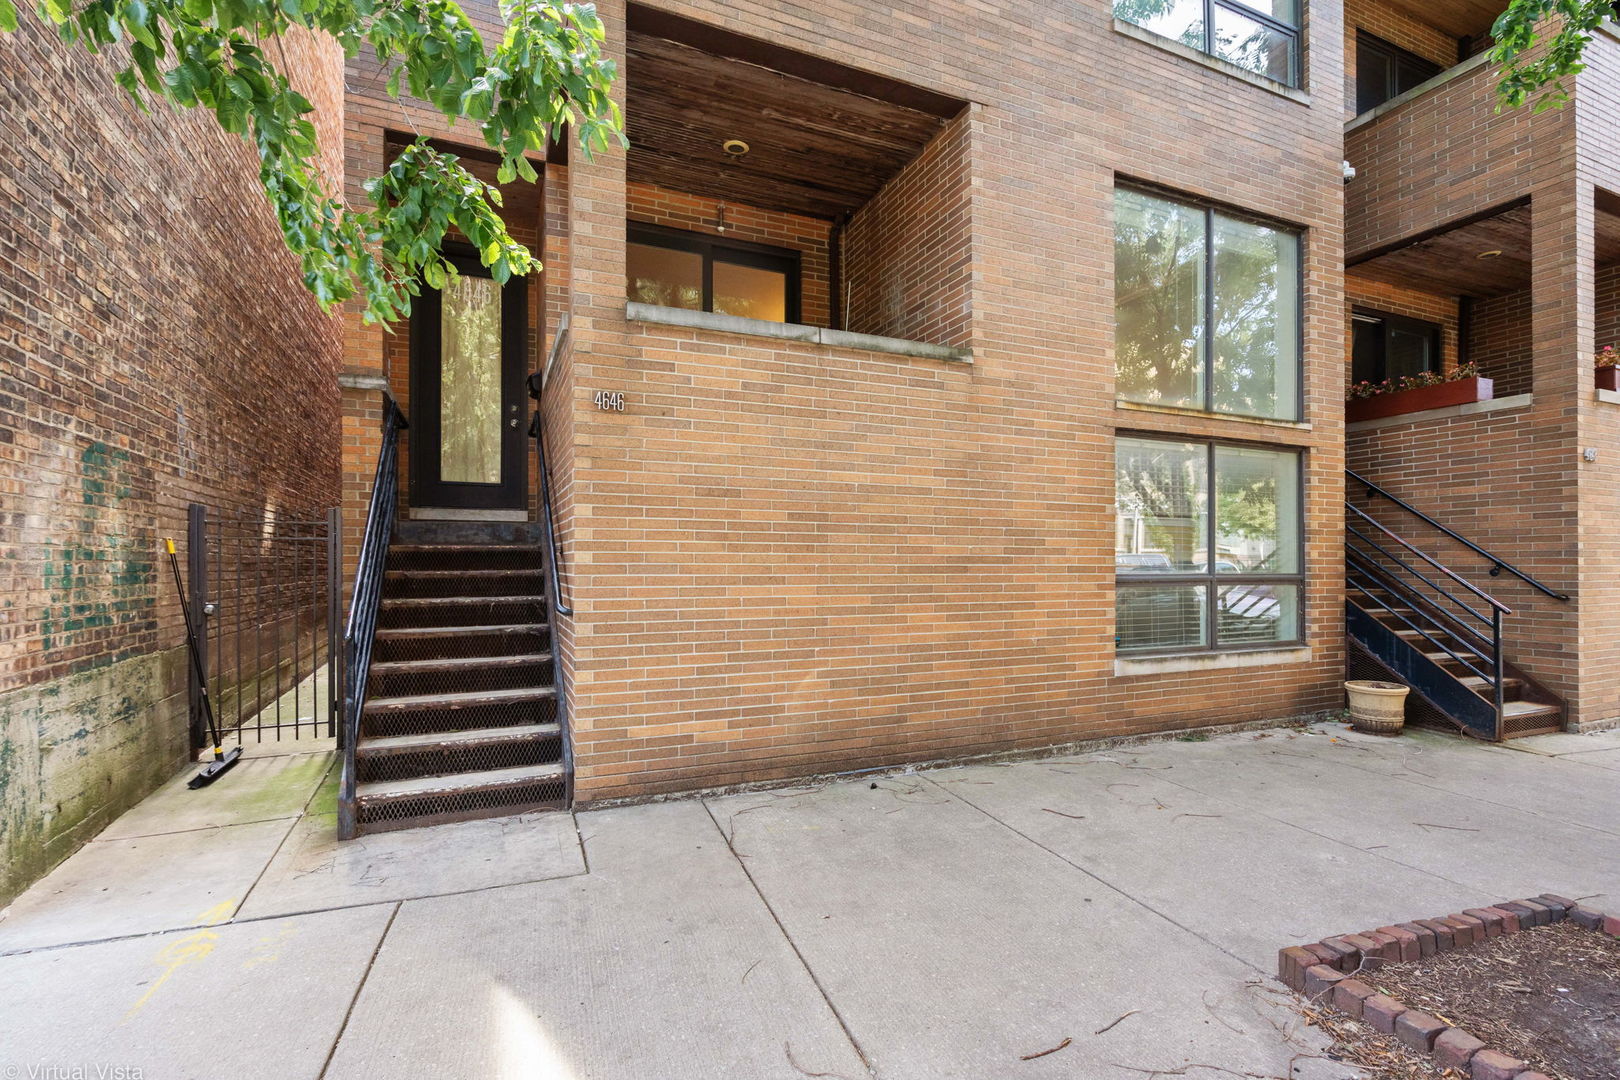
1324	971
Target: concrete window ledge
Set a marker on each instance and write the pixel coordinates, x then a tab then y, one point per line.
1214	63
1512	401
1166	665
1611	396
814	335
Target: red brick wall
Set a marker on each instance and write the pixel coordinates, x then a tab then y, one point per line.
907	253
792	558
806	235
156	348
1500	342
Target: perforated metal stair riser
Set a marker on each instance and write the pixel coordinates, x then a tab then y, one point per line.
460	719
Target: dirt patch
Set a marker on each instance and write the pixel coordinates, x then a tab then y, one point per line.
1549	996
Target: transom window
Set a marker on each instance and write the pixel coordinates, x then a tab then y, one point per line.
675	268
1208	551
1207	308
1261	36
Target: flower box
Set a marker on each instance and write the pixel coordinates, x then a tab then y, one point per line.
1608	378
1419	399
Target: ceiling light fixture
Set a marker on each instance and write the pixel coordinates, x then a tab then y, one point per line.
734	147
1497	254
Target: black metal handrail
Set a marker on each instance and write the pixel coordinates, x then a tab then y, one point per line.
1498	565
1366	576
555	606
360	631
1426	557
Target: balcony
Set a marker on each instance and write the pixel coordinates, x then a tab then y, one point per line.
776	194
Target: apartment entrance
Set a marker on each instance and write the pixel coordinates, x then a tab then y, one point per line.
467	397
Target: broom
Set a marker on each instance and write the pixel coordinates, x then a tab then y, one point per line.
222	760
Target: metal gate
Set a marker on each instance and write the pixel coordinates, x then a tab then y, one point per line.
266	593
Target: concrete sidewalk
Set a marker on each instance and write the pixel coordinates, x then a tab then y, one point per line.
914	926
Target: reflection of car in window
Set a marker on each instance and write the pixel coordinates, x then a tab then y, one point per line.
1145	562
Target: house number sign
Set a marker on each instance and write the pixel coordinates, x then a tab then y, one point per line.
610	401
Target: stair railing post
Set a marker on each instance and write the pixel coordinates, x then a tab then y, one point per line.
1496	667
334	621
197	571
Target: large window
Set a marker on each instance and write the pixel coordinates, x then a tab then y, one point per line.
1384	346
1385	71
673	268
1208	546
1261	36
1207	308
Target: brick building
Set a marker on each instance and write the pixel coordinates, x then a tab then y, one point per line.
940	381
157	349
1490	239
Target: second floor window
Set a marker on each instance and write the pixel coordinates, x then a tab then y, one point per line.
675	268
1385	71
1261	36
1206	307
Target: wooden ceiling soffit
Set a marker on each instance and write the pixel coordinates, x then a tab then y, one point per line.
716	41
1447	261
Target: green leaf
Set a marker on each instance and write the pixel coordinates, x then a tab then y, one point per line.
8	15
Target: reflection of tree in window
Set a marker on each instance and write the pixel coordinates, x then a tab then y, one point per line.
470	381
1256	335
1163	486
1181	20
1159	256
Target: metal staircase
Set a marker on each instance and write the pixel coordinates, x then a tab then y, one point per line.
454	704
1413	620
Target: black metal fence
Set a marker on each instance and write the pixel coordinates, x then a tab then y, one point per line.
266	593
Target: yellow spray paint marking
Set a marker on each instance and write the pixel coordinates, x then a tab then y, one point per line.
267	950
187	950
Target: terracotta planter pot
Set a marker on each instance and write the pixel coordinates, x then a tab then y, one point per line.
1377	708
1608	378
1458	392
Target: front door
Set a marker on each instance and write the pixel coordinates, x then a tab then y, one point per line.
467	368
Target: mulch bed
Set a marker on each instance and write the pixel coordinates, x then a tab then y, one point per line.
1549	996
1384	1057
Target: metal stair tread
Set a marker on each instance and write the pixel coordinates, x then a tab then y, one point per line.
394	744
522	571
427	786
451	601
1529	708
460	699
456	663
457	631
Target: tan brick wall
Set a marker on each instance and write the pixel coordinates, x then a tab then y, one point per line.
792	558
1500	342
156	348
807	235
908	270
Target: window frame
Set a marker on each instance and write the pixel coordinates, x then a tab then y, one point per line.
1396	56
1294	33
1211	579
785	261
1210	210
1391	321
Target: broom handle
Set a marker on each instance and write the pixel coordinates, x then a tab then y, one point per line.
191	649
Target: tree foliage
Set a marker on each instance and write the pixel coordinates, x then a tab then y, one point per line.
1540	73
546	73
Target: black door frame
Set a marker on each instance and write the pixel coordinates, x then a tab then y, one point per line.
426	489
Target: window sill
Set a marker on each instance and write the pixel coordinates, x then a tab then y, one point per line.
1200	414
1214	63
815	335
1184	662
